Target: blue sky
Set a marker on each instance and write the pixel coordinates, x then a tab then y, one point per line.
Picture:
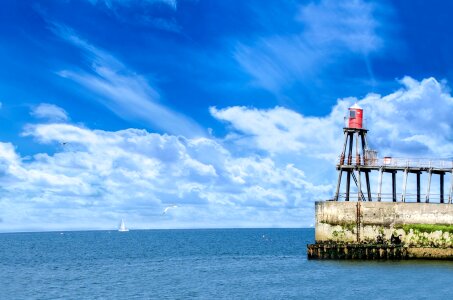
231	110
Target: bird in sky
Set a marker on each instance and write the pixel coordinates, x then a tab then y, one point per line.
167	208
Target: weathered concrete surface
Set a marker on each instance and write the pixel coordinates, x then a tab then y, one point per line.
419	225
356	251
430	253
375	251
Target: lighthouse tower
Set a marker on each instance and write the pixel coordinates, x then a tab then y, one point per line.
354	155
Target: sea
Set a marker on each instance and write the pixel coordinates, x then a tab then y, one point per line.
202	264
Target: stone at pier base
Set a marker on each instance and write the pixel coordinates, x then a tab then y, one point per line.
368	230
373	251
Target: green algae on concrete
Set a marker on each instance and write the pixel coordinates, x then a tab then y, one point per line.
428	228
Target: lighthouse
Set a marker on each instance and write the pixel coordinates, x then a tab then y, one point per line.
353	160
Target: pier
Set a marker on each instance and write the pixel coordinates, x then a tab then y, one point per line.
366	161
373	221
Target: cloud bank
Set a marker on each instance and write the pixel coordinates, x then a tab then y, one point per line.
99	176
267	171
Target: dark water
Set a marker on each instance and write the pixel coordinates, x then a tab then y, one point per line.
202	264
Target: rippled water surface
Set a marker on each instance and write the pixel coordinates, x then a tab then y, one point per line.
202	264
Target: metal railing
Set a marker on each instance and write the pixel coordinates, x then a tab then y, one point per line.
397	162
388	197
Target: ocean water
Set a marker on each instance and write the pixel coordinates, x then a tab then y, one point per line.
202	264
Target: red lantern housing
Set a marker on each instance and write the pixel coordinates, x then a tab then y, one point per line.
355	118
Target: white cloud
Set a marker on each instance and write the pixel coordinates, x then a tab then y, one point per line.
415	120
124	92
281	130
50	112
100	176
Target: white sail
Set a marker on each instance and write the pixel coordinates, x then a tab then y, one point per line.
122	227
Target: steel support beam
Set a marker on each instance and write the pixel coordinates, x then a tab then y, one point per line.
451	187
429	185
359	195
418	186
394	186
368	187
380	185
357	153
348	177
348	185
340	173
441	183
403	194
351	142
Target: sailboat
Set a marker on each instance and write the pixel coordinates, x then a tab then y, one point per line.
122	227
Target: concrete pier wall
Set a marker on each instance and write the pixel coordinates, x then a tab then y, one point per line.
417	224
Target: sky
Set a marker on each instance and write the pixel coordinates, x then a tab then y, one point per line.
230	110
